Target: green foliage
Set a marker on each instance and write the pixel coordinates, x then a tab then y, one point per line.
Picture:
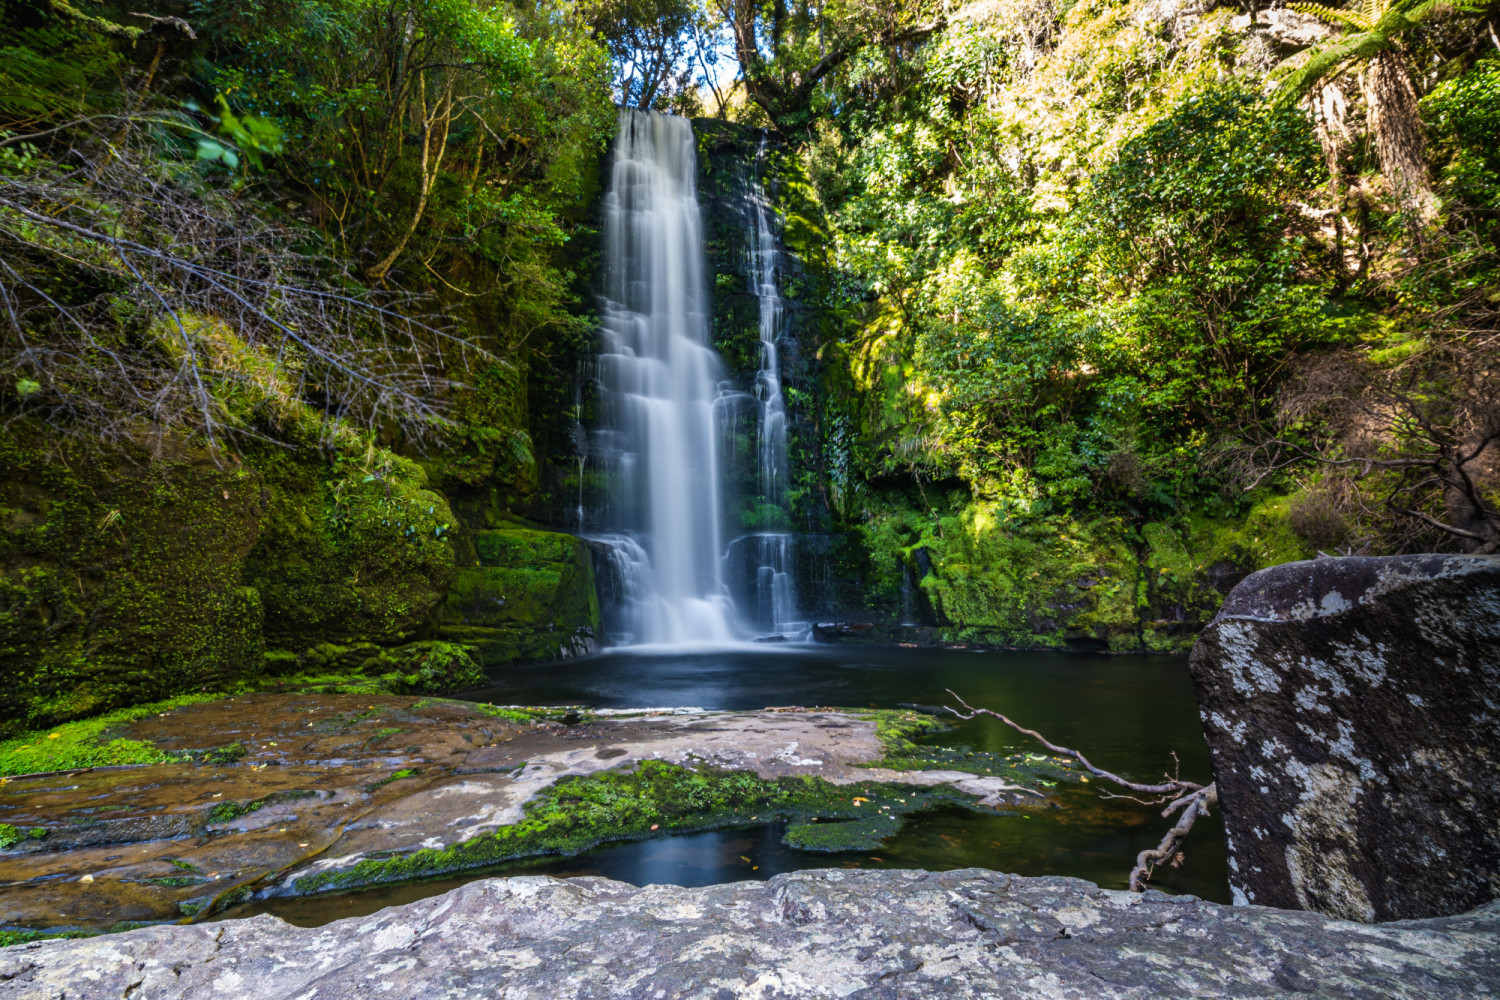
1079	252
1464	115
510	109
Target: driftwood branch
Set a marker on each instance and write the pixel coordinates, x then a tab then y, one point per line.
1192	806
1172	786
1186	799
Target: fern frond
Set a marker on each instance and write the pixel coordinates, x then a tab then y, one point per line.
1320	63
1333	14
1401	16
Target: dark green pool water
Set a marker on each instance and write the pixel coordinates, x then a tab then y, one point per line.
1128	714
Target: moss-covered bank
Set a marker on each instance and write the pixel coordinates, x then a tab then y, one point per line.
129	574
657	799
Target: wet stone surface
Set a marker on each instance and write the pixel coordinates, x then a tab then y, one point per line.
313	785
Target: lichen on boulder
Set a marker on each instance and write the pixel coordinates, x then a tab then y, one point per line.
1349	706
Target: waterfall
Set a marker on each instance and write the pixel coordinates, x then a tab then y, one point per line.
660	382
775	599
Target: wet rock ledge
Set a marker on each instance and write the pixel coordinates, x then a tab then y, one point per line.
831	933
275	795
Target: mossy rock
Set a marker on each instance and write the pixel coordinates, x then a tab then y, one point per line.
532	596
863	834
425	667
999	577
433	667
350	551
121	575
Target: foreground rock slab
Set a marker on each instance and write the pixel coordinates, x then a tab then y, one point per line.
1350	708
321	783
832	933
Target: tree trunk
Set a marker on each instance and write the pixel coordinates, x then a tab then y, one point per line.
1328	106
1396	124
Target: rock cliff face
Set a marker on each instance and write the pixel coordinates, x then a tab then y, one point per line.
129	574
832	933
1350	706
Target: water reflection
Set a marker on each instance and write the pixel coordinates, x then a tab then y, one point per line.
1128	714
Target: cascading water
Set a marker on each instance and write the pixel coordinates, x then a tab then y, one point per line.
775	598
659	382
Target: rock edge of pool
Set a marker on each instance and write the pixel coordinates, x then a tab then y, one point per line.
820	933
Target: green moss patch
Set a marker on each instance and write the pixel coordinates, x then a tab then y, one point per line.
897	729
405	772
176	881
228	812
655	799
863	834
11	836
88	743
8	938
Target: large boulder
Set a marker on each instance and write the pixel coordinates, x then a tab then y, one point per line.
1351	707
838	933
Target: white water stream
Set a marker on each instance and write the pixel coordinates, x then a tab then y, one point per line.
665	400
775	598
660	381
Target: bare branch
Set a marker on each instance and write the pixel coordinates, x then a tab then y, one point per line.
1168	787
1192	799
1192	806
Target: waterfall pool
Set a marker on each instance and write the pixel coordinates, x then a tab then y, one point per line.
1128	714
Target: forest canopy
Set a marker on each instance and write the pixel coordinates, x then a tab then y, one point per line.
1129	258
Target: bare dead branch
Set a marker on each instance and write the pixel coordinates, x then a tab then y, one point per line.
1197	804
1171	786
1192	799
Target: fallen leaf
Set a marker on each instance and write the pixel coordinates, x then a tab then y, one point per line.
744	859
53	736
87	878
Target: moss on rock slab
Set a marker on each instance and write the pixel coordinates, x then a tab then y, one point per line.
120	575
656	799
531	596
